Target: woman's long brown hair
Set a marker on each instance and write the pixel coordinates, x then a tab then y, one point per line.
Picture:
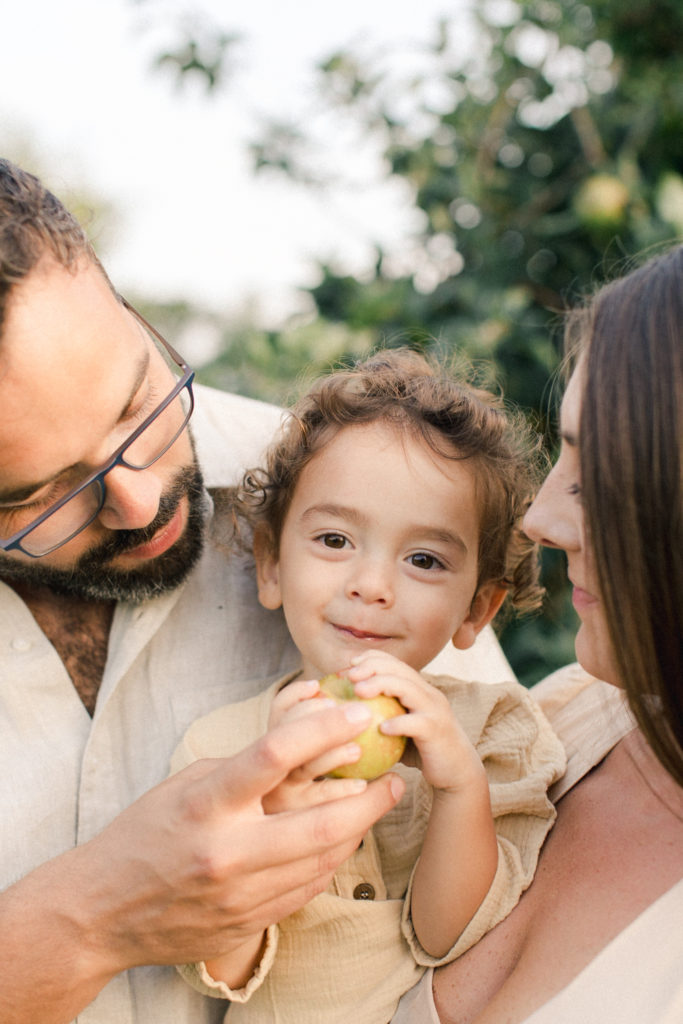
631	443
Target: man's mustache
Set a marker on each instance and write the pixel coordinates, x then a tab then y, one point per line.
126	540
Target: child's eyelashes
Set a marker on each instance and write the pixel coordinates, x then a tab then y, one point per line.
336	541
424	560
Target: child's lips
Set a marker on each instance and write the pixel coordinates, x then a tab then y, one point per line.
362	634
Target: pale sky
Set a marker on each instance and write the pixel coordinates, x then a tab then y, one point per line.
191	220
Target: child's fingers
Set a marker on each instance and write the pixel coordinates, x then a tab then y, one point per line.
415	726
290	697
300	689
437	746
413	692
372	672
365	665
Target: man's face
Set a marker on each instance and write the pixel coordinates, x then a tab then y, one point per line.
78	374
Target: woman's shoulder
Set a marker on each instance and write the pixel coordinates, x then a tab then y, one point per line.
588	715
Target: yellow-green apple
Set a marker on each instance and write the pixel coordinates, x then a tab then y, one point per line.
380	752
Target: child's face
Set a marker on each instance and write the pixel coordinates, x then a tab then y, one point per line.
378	551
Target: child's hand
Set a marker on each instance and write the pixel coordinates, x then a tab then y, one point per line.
293	700
439	745
304	787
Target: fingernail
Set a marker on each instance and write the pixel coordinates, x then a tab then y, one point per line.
357	712
397	787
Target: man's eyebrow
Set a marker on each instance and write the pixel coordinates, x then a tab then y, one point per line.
22	493
141	373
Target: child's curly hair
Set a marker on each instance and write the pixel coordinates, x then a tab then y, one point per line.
454	418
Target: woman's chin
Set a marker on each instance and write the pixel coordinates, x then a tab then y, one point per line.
592	653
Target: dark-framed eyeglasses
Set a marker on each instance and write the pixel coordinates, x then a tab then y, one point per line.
80	506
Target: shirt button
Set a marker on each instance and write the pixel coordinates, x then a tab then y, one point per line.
364	891
20	643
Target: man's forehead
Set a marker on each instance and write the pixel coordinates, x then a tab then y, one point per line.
68	358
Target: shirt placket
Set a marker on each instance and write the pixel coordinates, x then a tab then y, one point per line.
360	876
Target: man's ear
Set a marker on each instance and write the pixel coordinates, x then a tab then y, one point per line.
267	571
485	605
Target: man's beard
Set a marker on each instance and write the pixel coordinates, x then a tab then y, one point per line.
93	577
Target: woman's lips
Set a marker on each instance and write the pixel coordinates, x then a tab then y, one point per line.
582	599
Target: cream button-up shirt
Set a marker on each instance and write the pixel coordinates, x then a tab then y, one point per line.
351	953
64	776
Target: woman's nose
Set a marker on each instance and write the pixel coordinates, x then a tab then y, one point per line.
132	498
552	519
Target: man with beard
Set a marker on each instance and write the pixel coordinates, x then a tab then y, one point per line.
124	617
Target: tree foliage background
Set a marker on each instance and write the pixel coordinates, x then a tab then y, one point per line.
538	158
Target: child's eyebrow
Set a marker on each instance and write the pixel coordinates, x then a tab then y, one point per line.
338	511
436	533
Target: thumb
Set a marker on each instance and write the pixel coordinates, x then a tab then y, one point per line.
265	763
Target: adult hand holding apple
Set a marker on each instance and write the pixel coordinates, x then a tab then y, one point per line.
344	770
313	783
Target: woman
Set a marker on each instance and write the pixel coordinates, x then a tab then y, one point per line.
597	937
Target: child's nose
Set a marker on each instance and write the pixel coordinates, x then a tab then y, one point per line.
370	583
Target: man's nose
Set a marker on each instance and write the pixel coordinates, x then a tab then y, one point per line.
132	498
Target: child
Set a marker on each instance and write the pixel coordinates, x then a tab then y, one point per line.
386	522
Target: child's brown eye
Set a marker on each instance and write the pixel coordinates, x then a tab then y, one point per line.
424	561
333	540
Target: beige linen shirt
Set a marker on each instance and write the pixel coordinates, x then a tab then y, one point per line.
352	952
64	776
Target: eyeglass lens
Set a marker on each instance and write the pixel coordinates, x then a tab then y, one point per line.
83	508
